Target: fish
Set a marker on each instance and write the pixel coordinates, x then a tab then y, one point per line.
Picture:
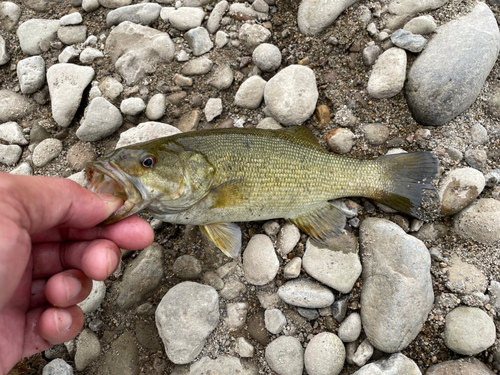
218	177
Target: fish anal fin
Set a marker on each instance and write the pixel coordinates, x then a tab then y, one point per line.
226	236
323	222
228	194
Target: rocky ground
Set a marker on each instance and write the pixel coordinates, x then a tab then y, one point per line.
286	305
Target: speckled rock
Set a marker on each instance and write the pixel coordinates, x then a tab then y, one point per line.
252	35
306	293
275	320
325	354
187	267
388	75
407	40
57	367
288	237
13	106
201	65
462	366
250	93
12	133
215	17
267	57
222	78
132	106
465	278
399	264
459	189
31	74
434	87
46	151
35	35
469	330
185	317
9	15
291	95
480	221
350	329
340	140
146	131
315	16
285	356
143	14
111	88
10	154
72	34
260	261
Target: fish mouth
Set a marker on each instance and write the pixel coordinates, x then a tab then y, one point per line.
106	178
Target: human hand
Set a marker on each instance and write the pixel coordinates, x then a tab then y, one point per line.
51	246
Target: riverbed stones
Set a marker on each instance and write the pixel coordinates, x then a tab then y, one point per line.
185	317
260	262
143	14
267	57
252	35
422	25
399	264
146	131
143	276
480	221
306	293
469	330
462	366
66	84
88	349
186	18
434	90
395	364
339	268
275	320
388	75
46	151
285	356
132	106
250	93
138	50
9	15
315	16
201	65
198	40
215	17
325	354
35	35
350	329
459	189
13	106
31	74
223	365
10	154
291	95
101	120
12	133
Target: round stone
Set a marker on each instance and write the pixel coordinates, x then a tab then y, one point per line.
325	354
267	57
260	261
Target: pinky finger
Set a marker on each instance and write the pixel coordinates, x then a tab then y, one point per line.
50	326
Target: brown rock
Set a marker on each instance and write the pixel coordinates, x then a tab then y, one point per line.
189	121
323	115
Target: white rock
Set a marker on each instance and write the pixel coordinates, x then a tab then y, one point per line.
31	74
156	107
260	262
315	16
350	329
480	221
213	108
275	320
388	75
267	57
132	106
46	151
325	354
250	93
95	298
24	169
285	356
186	18
10	154
101	120
12	133
244	347
146	131
288	237
292	268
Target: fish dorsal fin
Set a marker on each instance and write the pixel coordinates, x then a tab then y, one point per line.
226	236
303	136
322	222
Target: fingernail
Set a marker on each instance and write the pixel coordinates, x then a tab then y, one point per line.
63	320
112	203
113	261
73	287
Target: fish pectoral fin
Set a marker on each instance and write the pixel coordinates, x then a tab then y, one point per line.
323	222
228	194
226	236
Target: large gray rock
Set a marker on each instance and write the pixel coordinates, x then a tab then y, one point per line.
480	221
314	16
35	35
397	290
291	95
138	50
66	84
143	276
449	74
185	317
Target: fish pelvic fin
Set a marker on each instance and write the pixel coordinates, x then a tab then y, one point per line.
226	236
410	190
322	222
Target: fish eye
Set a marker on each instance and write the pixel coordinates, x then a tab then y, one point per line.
148	162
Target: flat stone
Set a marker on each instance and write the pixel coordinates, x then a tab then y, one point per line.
306	293
422	25
46	151
480	221
143	14
185	317
72	34
142	277
469	330
90	54
71	19
35	35
291	95
285	356
138	50
222	78
199	66
388	75
315	16
260	261
325	354
66	85
465	278
31	74
123	356
395	364
186	18
399	264
460	188
101	120
12	133
331	265
434	89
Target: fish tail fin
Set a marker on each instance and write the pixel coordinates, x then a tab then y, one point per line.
409	189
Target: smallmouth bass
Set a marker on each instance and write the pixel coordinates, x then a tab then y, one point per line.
213	178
